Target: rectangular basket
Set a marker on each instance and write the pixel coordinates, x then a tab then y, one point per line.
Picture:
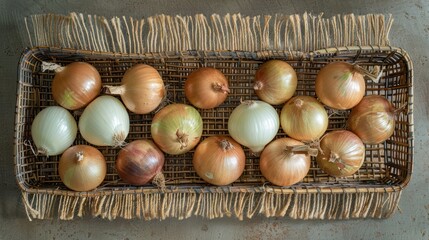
373	192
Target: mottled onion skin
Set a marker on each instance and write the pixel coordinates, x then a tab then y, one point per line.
219	160
206	88
76	85
139	162
304	118
373	119
177	128
340	86
342	155
82	168
275	82
282	167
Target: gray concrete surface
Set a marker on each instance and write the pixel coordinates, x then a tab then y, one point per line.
410	31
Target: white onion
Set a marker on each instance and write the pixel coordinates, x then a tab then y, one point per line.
253	124
53	130
105	122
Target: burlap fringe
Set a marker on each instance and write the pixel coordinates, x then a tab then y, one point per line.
211	205
163	33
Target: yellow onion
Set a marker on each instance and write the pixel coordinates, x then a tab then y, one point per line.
140	162
373	119
82	168
219	160
142	89
342	153
340	85
177	128
275	82
284	162
75	85
304	118
206	88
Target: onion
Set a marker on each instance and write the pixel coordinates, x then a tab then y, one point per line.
53	130
342	153
340	85
284	162
141	90
82	168
75	85
206	88
177	128
219	160
304	118
373	119
275	82
139	162
253	124
105	122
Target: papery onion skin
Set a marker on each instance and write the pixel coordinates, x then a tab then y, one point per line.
219	160
53	130
342	154
142	89
253	124
82	168
105	122
304	118
177	128
340	85
206	88
373	119
76	85
282	167
139	162
275	82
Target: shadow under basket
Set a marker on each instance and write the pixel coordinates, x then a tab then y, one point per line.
372	192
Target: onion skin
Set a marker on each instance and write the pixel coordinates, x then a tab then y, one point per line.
82	168
280	165
53	130
275	82
340	85
177	128
76	85
139	162
304	118
219	160
253	124
342	153
142	89
206	88
373	119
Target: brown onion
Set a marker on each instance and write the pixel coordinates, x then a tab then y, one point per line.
304	118
342	153
142	89
373	119
76	85
177	128
275	82
140	162
82	168
219	160
283	163
206	88
340	85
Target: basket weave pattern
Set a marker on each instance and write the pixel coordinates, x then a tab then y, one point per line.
385	171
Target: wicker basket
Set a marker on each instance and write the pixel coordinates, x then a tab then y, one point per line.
373	191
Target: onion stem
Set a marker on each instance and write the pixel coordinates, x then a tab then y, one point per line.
79	156
220	87
114	90
374	75
258	85
225	145
159	181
